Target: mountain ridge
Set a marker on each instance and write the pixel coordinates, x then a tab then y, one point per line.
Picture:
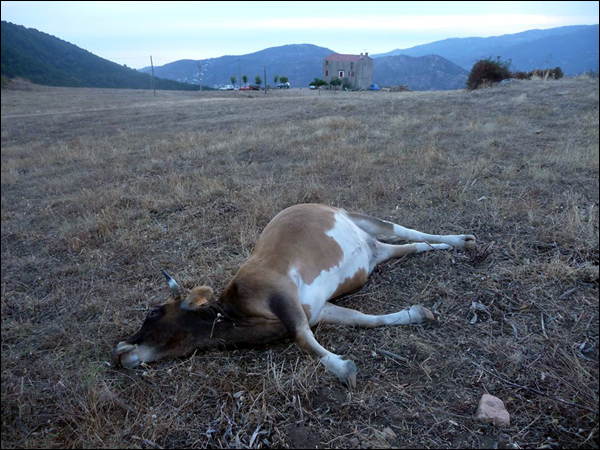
48	60
573	48
440	65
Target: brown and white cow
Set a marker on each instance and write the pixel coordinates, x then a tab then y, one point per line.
307	255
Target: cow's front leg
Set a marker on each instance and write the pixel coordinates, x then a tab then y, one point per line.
291	314
343	368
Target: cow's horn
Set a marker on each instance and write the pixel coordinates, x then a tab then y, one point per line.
173	285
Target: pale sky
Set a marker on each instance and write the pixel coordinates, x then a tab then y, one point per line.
129	32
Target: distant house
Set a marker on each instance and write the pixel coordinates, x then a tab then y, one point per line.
355	71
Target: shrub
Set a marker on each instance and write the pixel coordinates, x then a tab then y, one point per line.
547	74
558	73
486	72
520	75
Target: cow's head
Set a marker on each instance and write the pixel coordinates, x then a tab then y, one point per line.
170	330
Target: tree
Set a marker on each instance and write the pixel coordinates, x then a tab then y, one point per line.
336	82
258	80
283	79
245	79
233	80
275	79
318	83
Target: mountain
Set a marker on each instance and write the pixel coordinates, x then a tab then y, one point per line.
573	48
424	73
301	63
45	59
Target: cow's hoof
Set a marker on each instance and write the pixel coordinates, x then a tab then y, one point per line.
348	377
469	241
420	314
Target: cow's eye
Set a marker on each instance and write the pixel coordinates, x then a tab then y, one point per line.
154	313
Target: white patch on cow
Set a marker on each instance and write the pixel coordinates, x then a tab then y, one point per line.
425	247
414	315
456	241
357	254
341	367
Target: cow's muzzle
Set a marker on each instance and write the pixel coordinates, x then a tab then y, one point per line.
126	355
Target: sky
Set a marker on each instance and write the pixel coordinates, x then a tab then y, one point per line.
129	32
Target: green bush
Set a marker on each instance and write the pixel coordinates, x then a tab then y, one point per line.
318	83
485	72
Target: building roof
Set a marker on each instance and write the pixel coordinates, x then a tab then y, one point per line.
339	57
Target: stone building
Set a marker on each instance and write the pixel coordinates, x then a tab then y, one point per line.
355	71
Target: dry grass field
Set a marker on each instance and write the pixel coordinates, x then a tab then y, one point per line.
103	188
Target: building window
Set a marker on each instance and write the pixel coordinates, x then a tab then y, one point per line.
341	74
326	63
352	73
351	65
327	73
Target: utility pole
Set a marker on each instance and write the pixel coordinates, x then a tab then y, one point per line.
200	74
240	71
362	72
152	64
265	80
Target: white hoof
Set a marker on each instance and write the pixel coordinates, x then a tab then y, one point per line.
420	314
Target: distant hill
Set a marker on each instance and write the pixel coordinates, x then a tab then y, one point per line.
45	59
301	63
574	49
424	73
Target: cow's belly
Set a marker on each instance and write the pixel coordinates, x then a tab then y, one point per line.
350	273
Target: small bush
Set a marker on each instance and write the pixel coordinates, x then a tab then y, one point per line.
520	75
547	74
486	71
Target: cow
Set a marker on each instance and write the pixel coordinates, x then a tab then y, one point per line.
306	256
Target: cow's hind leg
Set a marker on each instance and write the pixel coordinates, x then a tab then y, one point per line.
345	316
378	227
387	251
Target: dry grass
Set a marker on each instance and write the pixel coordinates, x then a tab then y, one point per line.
102	188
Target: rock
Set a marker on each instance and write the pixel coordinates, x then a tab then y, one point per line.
354	443
390	433
491	409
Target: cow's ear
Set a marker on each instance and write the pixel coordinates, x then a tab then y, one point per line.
198	297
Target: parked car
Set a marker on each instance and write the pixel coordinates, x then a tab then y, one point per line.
374	87
283	85
254	87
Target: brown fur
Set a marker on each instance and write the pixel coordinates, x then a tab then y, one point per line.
352	283
198	297
301	229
